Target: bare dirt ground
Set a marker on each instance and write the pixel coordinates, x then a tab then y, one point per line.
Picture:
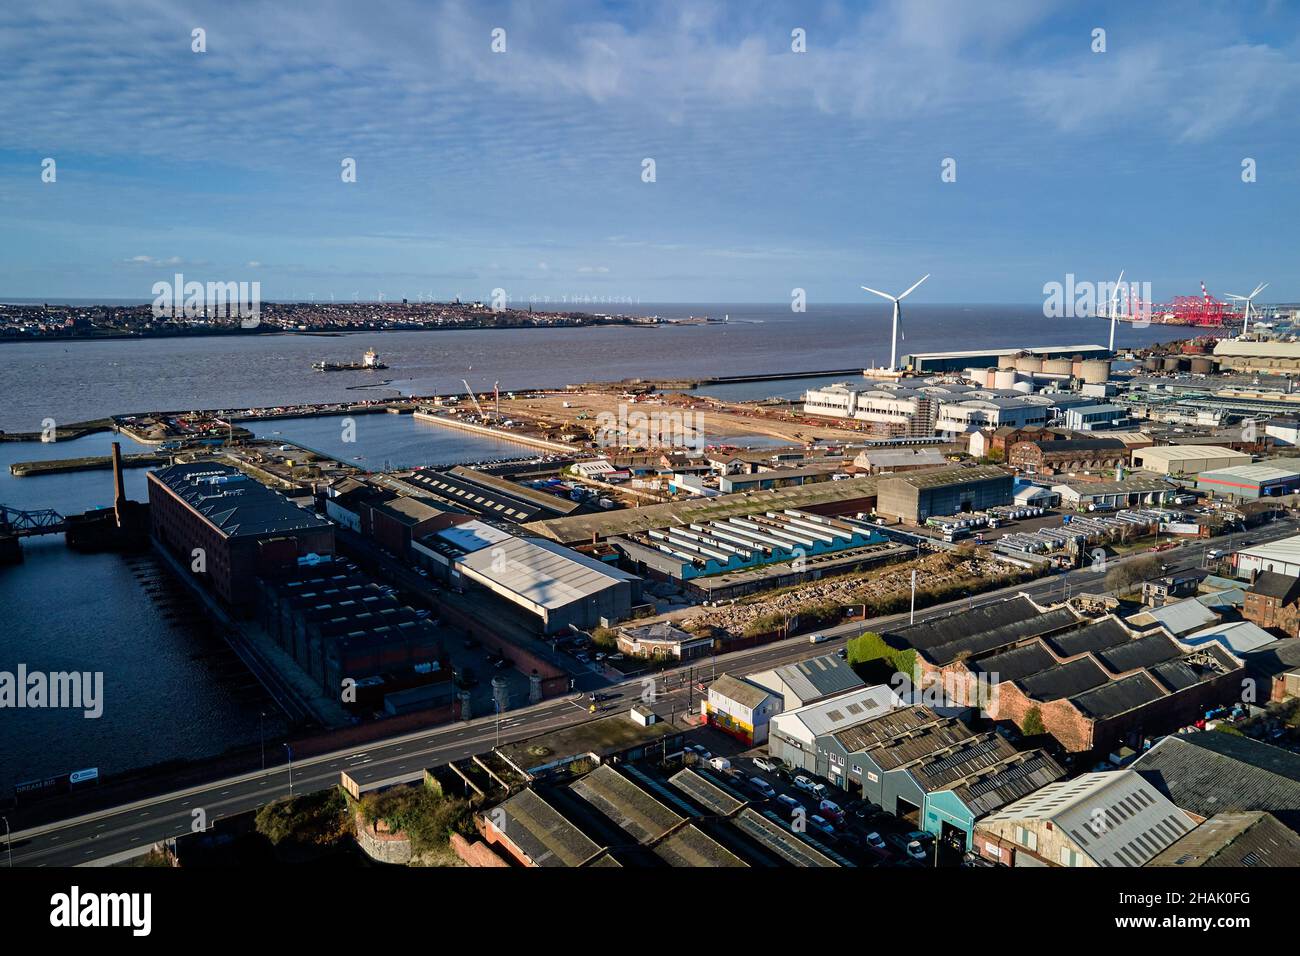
719	420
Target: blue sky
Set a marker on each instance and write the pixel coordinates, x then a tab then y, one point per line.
522	170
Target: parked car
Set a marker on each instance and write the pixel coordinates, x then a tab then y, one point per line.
803	783
817	638
832	810
819	790
875	840
916	850
821	823
789	802
761	787
770	764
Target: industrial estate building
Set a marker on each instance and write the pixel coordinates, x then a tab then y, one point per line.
1113	819
234	527
916	496
1178	460
1264	479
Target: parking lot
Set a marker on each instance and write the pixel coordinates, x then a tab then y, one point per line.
847	831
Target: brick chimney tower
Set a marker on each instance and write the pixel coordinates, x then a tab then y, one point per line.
119	487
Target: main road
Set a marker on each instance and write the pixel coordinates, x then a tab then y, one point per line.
117	833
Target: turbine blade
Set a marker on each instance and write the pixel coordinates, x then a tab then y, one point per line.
1258	289
918	282
883	295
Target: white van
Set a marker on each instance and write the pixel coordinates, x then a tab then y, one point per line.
720	763
818	639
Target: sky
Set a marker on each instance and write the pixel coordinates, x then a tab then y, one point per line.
525	170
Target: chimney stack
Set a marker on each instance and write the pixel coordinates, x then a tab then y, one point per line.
119	489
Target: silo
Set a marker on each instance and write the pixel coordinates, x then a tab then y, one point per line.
1172	364
1058	366
1005	378
1203	366
1024	386
1094	371
1151	363
1029	364
1006	361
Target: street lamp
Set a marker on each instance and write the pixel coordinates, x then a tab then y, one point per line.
289	751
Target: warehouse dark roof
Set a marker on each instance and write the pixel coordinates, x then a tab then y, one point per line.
1209	772
1118	697
1274	659
540	831
984	628
943	477
1064	680
1015	776
1096	636
236	504
1234	839
1143	652
1016	663
1066	446
873	732
1274	585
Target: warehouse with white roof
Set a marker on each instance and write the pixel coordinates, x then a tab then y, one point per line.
1187	459
1280	556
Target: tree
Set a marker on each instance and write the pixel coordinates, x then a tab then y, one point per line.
1122	577
1032	725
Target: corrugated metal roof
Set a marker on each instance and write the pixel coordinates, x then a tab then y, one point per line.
1117	818
541	572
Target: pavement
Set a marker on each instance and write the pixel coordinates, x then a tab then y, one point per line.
116	833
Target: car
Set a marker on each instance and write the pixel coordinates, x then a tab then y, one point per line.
770	764
832	810
822	824
789	802
875	840
920	836
803	783
817	638
819	790
916	850
842	653
782	774
761	787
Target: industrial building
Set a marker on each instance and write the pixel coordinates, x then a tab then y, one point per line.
1179	460
809	681
1266	356
990	358
916	496
1265	479
793	736
1234	838
934	771
740	708
1103	819
1094	683
702	549
1134	491
1204	773
1282	557
1052	457
337	624
241	529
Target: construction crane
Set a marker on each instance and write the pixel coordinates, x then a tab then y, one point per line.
474	398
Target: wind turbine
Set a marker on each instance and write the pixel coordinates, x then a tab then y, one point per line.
893	346
1245	325
1114	302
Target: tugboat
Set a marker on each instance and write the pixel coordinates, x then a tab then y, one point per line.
368	362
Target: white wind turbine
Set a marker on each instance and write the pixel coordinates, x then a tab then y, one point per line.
1248	299
1114	303
893	347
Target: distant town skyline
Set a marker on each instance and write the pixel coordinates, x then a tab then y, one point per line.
993	145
